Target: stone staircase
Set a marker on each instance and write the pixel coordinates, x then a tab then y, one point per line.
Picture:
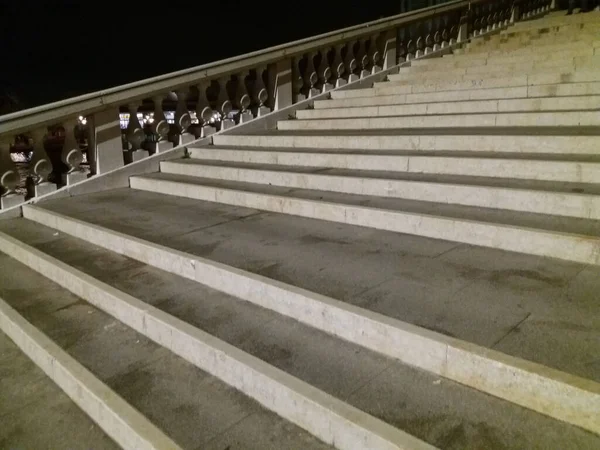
412	265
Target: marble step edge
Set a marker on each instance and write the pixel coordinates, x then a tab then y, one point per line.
504	105
557	203
537	80
543	93
581	171
457	120
117	418
326	417
554	393
587	145
540	59
569	247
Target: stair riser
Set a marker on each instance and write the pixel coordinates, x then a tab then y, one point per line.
558	395
556	26
414	87
467	107
317	412
584	56
125	425
564	171
455	75
467	61
556	90
584	145
542	119
522	240
492	67
546	45
571	205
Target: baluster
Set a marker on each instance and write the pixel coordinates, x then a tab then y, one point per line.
374	55
242	99
183	120
325	71
204	112
160	127
312	78
40	167
72	155
362	58
224	104
299	87
9	177
339	69
351	63
261	94
135	135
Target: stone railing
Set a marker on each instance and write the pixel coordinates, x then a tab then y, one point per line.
113	127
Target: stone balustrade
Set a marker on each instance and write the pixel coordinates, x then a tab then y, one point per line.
117	126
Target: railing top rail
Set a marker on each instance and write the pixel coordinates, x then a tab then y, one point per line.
119	95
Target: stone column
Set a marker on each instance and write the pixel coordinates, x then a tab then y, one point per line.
282	84
105	150
9	178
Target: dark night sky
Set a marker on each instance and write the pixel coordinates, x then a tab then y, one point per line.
55	49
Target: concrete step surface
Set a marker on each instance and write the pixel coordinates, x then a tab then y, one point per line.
518	141
483	82
222	281
360	377
503	119
459	223
543	93
35	413
560	199
546	168
456	107
193	407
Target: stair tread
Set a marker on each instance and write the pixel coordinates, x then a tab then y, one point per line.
550	157
511	218
192	406
460	131
324	253
475	181
30	402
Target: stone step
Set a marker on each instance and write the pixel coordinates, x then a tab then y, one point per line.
551	23
438	74
508	194
339	368
484	82
30	399
579	48
143	373
544	29
449	222
505	119
569	171
457	107
577	57
509	141
543	42
547	92
177	322
556	36
426	74
369	329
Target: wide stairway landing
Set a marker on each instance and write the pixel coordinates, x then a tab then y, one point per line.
414	265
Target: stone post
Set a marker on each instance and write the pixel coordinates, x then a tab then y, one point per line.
282	84
105	150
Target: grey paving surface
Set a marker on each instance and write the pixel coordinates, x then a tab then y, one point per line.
35	413
547	186
191	406
540	309
444	413
496	216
